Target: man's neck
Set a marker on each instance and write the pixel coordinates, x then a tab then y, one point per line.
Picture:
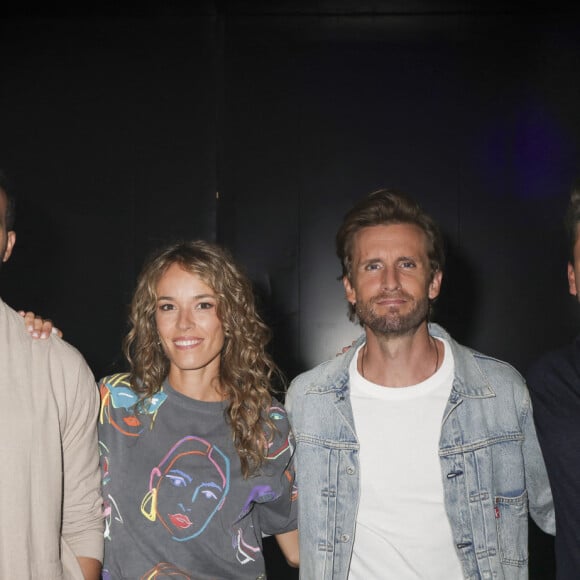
400	361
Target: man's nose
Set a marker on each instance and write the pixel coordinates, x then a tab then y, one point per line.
391	279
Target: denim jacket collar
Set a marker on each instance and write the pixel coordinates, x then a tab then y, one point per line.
470	381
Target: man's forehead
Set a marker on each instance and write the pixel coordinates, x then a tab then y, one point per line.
391	236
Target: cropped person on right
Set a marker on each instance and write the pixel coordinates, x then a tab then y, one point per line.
554	382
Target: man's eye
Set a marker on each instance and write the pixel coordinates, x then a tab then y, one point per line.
373	266
408	264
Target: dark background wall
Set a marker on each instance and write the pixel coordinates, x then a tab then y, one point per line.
257	124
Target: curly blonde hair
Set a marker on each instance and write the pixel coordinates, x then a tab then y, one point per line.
246	370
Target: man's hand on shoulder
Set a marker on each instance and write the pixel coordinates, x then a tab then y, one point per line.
39	327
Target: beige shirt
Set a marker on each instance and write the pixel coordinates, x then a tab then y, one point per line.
50	502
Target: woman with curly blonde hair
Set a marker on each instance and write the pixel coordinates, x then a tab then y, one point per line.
196	454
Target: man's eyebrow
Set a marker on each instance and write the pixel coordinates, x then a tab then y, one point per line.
370	261
399	259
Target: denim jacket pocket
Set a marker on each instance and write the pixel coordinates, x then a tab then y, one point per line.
511	515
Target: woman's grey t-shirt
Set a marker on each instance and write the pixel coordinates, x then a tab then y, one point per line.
176	503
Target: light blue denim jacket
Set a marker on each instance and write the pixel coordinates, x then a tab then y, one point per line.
491	465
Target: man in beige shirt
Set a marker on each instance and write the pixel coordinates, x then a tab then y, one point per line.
51	525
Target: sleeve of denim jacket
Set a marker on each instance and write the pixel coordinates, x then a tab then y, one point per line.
288	400
541	504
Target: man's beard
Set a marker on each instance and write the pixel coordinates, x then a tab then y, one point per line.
393	323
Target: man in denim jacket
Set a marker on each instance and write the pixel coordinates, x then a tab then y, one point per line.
416	457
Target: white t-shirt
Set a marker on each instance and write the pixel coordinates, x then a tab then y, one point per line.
402	529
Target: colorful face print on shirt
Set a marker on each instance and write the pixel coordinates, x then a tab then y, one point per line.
104	460
163	571
111	514
246	552
122	408
111	511
187	488
294	489
274	451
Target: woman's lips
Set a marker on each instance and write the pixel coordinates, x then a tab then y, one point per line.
185	343
180	521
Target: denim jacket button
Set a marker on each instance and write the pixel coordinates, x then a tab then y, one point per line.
453	474
350	470
344	538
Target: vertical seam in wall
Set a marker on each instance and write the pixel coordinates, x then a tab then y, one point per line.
218	78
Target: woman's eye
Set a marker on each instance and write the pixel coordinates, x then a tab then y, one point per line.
166	307
177	481
208	494
205	305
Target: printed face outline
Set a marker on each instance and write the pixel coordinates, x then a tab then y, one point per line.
165	570
278	414
126	419
123	399
111	514
191	484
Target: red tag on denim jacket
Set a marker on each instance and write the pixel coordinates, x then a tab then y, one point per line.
496	513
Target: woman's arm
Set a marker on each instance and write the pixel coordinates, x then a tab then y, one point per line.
288	543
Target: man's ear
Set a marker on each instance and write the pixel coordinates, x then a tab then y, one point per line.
10	241
572	280
435	285
349	290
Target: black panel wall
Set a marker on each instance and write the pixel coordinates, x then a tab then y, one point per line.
109	135
473	114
